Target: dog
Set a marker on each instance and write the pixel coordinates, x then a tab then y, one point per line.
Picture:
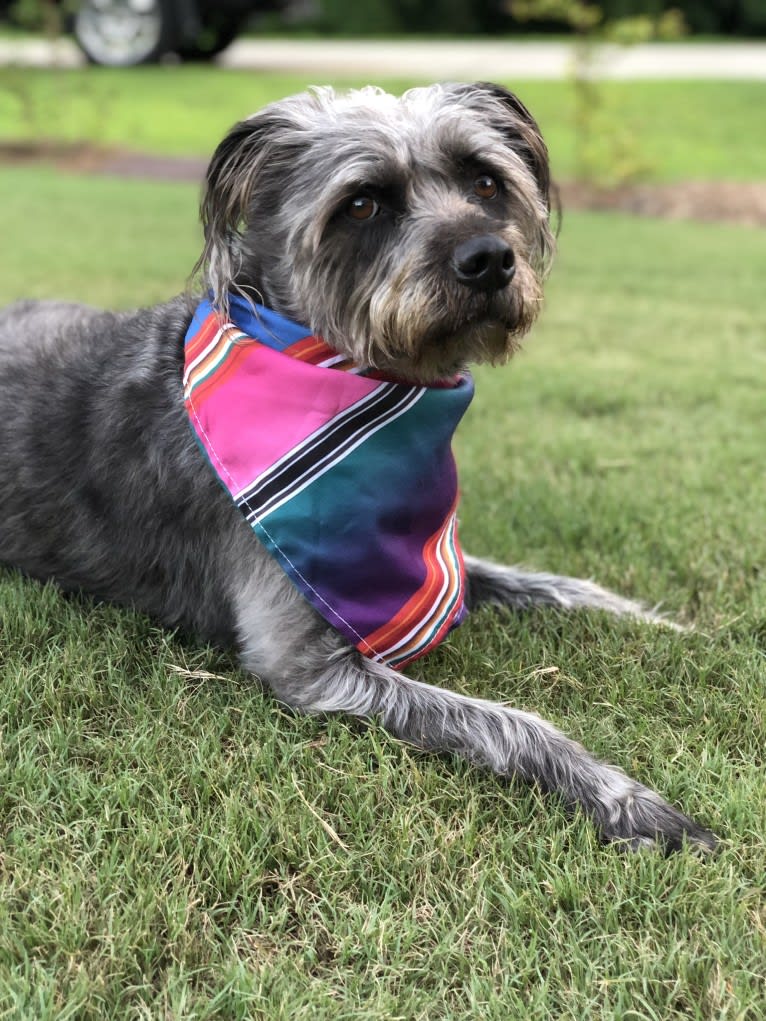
413	237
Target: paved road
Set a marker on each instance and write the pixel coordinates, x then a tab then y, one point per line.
490	59
438	60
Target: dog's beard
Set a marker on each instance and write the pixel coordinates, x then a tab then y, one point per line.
434	331
418	323
477	342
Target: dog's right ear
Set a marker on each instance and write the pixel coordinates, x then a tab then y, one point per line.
232	177
523	133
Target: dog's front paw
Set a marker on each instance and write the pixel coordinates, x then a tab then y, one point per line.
641	819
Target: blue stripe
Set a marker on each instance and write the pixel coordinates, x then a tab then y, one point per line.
261	323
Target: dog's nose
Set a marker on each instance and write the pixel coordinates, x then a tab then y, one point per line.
484	263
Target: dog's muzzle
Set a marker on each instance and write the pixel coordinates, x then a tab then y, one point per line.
484	263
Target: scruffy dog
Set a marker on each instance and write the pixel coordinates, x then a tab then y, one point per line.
412	237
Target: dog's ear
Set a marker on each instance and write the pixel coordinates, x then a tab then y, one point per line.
233	175
522	132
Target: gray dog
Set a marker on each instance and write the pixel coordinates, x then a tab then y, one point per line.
413	236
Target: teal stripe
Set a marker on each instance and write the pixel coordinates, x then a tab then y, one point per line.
218	366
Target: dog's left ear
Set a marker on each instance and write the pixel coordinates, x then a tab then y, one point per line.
522	132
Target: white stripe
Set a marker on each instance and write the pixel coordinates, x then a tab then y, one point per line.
204	353
433	622
347	450
428	616
353	370
220	357
315	437
201	357
331	361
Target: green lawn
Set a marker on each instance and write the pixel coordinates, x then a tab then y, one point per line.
175	845
671	130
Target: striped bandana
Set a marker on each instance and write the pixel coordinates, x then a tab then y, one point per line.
347	479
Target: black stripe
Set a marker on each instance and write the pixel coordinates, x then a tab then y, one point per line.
329	437
328	445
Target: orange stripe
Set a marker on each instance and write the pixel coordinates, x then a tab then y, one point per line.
402	621
399	625
439	613
204	367
196	350
452	594
315	350
203	390
202	338
438	637
309	349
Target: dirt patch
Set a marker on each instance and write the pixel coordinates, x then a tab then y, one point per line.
711	201
94	159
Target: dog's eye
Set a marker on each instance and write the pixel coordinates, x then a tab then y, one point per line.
485	187
362	207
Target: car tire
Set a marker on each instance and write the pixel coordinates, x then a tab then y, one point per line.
124	33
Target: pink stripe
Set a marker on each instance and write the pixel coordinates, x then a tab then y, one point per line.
250	435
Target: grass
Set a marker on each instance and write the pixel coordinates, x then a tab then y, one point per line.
176	845
666	130
64	226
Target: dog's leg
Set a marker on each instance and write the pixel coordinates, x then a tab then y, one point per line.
310	668
518	590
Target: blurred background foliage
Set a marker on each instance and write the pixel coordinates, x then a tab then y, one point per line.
714	17
459	17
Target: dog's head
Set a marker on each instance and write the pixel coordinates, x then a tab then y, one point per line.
412	234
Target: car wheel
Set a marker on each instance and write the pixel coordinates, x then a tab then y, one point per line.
122	33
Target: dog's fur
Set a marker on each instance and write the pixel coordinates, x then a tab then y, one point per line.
103	488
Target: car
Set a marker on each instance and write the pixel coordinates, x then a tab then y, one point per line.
122	33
